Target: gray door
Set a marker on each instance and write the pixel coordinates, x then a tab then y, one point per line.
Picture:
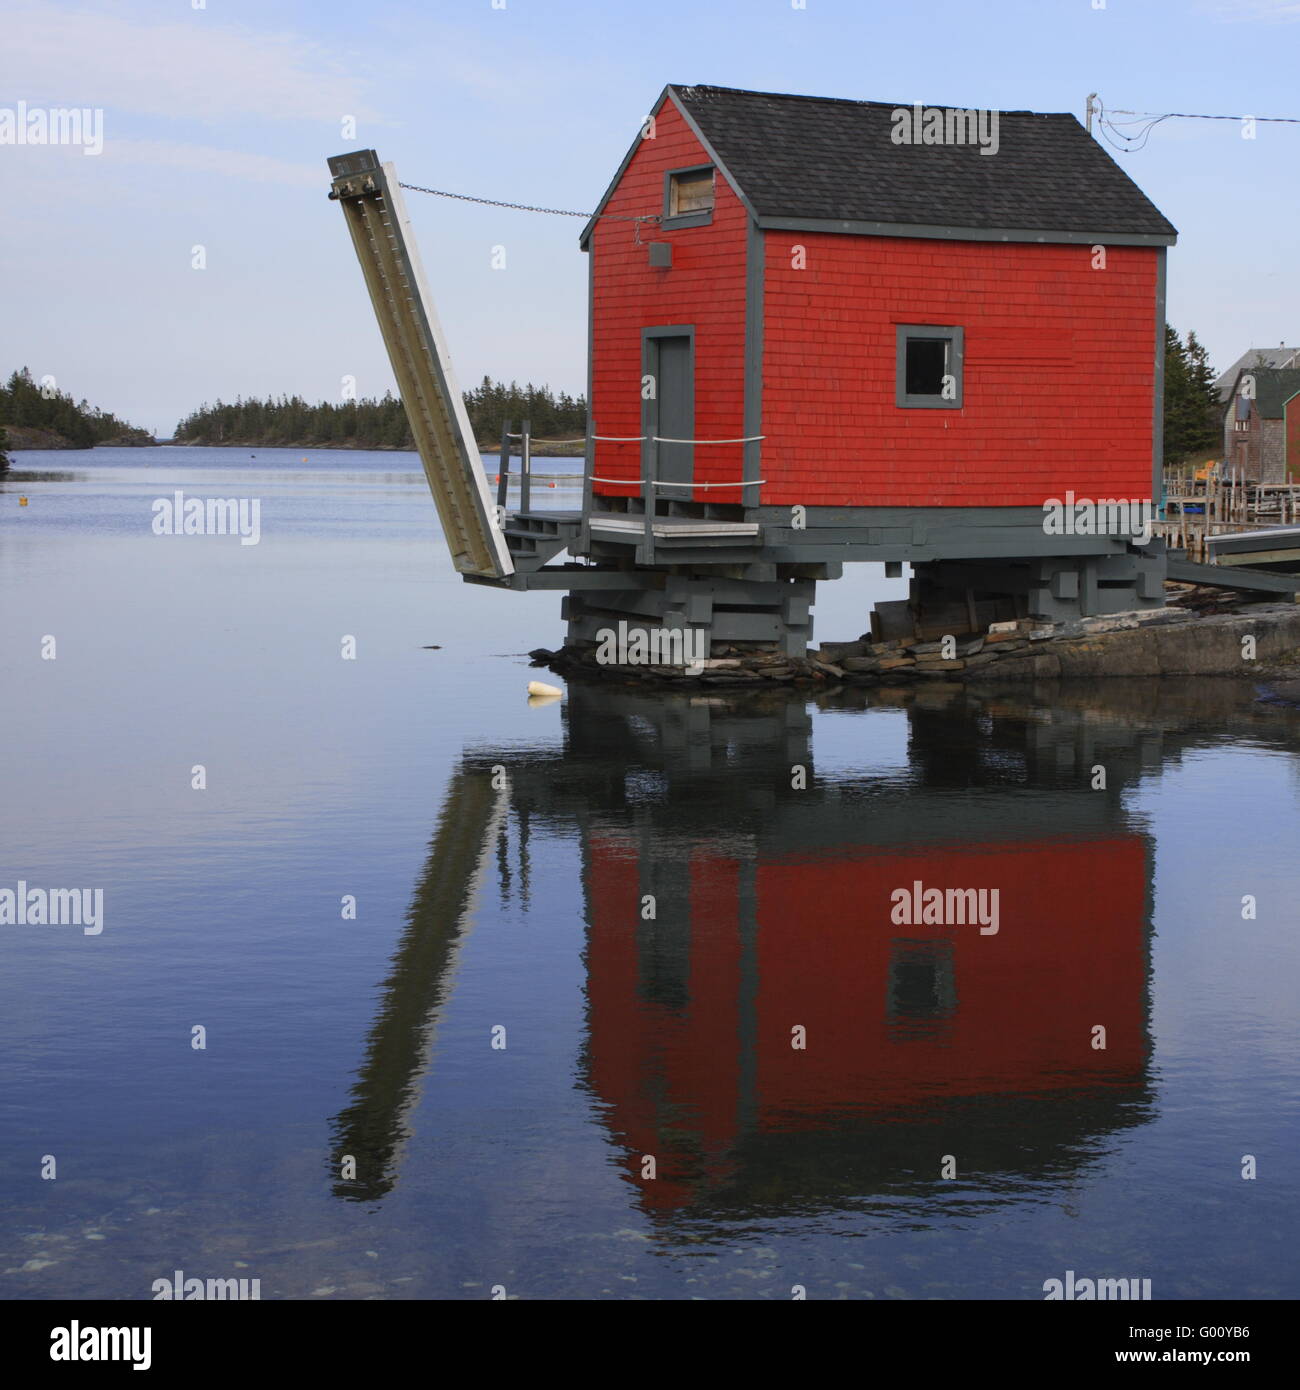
672	415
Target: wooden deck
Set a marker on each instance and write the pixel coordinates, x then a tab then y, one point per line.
671	528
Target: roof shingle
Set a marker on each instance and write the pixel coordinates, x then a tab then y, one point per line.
1255	357
1273	386
828	158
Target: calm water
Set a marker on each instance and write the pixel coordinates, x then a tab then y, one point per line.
500	857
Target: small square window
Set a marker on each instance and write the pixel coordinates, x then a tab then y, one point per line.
691	192
926	366
688	197
929	366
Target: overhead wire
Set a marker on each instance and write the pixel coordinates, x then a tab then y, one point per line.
1119	139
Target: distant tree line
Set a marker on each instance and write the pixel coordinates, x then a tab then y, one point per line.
24	403
549	416
290	420
1193	415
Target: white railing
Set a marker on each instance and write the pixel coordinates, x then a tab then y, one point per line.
649	484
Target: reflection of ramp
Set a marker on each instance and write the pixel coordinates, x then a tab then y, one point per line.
376	212
373	1128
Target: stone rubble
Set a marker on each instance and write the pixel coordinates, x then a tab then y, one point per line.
1203	636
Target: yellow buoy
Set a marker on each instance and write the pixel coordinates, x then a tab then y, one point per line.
22	501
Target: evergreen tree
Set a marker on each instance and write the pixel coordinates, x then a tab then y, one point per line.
373	423
1191	405
1207	411
24	403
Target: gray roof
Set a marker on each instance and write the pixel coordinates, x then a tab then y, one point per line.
827	158
1273	387
1263	357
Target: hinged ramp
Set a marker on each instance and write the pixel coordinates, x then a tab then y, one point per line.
381	233
1187	571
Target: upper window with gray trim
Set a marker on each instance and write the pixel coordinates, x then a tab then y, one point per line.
929	366
688	196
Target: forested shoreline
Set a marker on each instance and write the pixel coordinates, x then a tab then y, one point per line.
38	415
291	422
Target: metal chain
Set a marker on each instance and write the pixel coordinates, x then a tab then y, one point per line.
521	207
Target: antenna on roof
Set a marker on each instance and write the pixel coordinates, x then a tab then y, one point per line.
1092	97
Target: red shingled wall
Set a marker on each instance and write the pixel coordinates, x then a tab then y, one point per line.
1059	357
671	1080
705	287
1059	372
1027	997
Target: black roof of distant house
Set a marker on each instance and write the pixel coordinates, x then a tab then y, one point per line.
1273	388
826	159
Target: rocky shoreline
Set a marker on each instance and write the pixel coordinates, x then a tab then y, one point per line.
1205	638
34	437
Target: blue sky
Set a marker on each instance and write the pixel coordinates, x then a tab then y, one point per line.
218	122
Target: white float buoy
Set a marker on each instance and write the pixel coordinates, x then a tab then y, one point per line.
540	688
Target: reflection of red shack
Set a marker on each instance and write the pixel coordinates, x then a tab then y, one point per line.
691	1041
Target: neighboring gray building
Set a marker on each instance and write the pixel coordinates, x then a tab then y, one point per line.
1254	426
1256	357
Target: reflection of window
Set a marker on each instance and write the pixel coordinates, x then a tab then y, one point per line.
929	366
664	967
922	988
688	197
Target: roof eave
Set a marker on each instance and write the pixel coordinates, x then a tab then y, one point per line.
852	227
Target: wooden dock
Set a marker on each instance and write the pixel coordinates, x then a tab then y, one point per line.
1222	503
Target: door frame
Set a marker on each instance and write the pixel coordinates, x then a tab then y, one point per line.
650	412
